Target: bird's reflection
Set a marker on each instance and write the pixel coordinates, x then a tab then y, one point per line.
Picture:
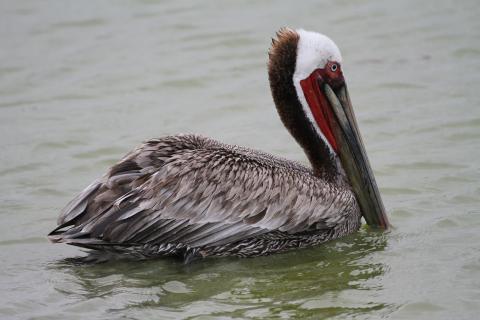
329	280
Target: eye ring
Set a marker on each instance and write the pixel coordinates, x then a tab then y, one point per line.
333	67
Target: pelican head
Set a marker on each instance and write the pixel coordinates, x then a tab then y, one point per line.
309	90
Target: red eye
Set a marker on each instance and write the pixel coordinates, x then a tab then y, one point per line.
334	67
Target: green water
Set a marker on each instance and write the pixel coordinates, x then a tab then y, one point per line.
81	83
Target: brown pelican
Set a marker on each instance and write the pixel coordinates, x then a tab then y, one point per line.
193	197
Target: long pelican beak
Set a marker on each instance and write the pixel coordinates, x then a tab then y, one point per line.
354	158
330	104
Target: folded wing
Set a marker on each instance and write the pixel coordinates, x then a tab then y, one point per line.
196	192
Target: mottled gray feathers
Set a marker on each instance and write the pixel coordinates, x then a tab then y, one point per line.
192	196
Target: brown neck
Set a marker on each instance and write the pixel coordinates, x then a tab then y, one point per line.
281	67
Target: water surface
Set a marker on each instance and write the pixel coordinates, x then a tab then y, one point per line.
83	83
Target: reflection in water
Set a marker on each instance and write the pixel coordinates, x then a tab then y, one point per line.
334	279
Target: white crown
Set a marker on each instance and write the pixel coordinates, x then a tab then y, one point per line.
314	50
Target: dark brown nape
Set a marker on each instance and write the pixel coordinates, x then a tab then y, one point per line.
281	67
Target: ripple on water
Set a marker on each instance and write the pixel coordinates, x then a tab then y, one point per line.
29	167
78	24
52	192
402	85
54	145
468	52
424	165
176	287
184	83
446	223
419	309
464	136
400	191
99	152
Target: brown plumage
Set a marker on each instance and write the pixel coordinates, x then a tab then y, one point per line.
191	196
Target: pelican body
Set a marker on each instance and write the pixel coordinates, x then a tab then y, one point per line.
194	197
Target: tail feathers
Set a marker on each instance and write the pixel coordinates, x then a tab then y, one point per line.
77	206
125	250
57	235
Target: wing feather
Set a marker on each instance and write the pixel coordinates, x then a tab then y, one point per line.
195	191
